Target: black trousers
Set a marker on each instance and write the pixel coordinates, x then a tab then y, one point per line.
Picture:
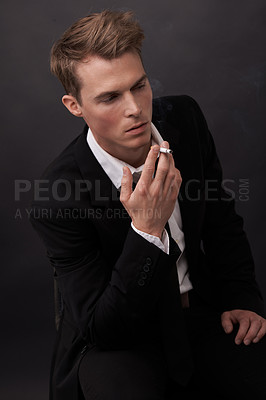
223	370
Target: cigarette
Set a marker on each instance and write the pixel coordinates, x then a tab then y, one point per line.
164	150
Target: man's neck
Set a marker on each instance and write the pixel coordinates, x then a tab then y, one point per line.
136	157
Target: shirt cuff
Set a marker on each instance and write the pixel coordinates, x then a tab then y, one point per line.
162	244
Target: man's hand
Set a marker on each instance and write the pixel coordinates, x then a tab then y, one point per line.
252	327
152	202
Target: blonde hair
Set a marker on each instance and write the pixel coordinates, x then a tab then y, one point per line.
108	34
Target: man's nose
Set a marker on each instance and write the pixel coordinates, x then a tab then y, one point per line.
132	107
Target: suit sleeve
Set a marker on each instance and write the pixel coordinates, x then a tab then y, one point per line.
227	250
108	304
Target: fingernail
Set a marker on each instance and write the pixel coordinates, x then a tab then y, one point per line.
247	342
238	341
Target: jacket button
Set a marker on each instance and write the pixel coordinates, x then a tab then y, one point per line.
143	275
146	268
141	282
148	261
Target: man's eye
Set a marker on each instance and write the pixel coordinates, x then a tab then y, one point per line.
141	86
110	99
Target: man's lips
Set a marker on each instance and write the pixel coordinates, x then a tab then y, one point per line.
137	126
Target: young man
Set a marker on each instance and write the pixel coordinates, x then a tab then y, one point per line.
159	295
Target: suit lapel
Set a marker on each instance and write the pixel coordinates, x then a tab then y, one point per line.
113	221
102	191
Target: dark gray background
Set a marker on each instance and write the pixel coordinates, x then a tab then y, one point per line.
213	50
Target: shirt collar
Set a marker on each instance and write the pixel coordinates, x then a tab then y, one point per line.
112	166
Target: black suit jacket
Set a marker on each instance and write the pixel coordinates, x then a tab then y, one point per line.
99	260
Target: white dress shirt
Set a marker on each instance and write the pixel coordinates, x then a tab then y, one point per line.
113	167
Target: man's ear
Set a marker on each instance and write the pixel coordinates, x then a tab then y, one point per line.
71	103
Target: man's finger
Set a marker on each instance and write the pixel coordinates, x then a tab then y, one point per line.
172	183
149	166
253	331
126	185
261	333
163	165
244	325
227	322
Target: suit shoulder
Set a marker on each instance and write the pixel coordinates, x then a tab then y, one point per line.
59	177
181	103
182	114
64	164
182	109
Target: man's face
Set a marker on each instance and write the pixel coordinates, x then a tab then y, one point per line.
116	103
